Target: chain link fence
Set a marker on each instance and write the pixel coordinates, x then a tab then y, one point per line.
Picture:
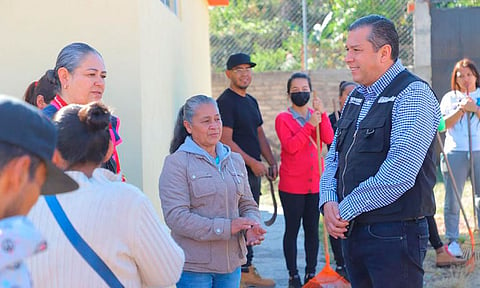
272	31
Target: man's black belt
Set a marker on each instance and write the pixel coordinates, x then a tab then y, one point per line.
414	219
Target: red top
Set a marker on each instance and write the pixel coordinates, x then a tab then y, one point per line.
299	159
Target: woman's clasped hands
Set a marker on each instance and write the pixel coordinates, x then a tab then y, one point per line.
254	232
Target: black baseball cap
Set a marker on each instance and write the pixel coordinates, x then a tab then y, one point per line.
239	59
23	125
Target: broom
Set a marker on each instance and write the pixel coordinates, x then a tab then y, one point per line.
470	265
327	277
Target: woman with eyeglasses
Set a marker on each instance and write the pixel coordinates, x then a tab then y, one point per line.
299	172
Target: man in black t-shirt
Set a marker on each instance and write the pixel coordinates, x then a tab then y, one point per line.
243	132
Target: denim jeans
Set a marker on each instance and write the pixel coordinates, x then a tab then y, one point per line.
460	165
209	280
388	254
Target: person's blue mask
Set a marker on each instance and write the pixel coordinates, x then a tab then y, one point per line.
300	98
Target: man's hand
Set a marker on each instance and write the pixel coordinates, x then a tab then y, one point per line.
258	168
336	227
272	172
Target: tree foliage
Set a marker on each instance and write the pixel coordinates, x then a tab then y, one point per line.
272	30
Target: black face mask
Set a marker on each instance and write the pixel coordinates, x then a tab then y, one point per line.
300	98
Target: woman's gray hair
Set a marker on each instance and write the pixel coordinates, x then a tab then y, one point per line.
186	113
71	56
192	104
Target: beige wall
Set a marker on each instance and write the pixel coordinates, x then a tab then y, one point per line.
177	63
154	60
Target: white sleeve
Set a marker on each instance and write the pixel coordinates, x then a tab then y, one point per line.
159	259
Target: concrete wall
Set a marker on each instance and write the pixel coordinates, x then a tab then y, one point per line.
154	58
422	41
270	90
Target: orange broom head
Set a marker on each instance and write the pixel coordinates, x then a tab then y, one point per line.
327	278
470	265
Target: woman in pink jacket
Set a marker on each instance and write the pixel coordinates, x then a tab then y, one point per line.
299	172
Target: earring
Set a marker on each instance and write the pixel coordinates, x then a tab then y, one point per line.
65	87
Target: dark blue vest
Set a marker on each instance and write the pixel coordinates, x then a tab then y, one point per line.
362	151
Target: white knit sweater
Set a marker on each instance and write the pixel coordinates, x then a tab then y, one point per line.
119	223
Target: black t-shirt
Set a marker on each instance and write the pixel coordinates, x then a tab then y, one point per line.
243	116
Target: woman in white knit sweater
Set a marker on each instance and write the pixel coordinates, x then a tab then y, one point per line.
114	218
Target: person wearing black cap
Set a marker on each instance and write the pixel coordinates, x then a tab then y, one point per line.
27	143
243	132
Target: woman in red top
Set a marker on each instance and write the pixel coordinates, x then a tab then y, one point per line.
299	172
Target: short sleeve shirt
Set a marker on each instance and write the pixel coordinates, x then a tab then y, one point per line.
242	114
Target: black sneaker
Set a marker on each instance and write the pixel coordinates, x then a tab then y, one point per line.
308	276
294	282
342	271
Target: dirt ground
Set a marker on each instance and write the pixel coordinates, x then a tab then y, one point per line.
453	277
434	277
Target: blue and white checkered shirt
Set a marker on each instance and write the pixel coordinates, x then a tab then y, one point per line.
415	118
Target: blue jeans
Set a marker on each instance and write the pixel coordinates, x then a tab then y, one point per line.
209	280
388	254
460	165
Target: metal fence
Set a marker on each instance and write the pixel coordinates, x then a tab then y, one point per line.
275	34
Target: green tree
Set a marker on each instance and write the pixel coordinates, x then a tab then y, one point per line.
272	30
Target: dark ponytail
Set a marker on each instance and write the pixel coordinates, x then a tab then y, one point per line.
83	135
179	132
186	114
45	86
29	95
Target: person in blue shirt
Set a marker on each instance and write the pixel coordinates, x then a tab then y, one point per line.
376	188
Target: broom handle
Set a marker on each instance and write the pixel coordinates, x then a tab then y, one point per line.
325	233
472	169
454	184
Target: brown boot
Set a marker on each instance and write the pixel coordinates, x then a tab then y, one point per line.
445	259
253	279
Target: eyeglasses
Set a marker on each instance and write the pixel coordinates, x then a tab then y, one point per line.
242	70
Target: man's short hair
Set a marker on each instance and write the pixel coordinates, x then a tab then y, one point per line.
8	152
24	126
383	32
